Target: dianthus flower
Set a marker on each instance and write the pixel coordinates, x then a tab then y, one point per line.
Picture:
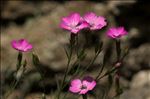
95	22
73	23
21	45
82	86
116	32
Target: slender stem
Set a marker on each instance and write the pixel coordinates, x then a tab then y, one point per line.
76	72
72	76
118	49
101	70
84	96
72	42
125	54
77	45
89	64
107	73
66	72
19	61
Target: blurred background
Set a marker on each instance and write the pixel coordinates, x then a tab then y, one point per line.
38	22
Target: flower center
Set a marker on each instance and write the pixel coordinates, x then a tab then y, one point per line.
83	87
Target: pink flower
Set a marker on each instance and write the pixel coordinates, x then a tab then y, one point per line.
116	32
95	22
73	23
82	87
21	45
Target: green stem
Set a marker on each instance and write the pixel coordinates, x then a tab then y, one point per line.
19	60
77	45
76	72
72	42
101	70
107	73
91	63
118	49
125	54
84	96
66	72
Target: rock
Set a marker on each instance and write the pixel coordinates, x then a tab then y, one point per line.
141	79
138	58
20	11
140	87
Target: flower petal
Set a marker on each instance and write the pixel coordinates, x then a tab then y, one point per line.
74	89
75	86
14	44
64	26
66	20
21	45
95	22
90	17
100	20
28	47
74	19
76	82
83	91
83	25
71	23
89	82
75	31
122	31
91	85
116	32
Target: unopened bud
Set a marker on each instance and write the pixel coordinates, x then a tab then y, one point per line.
118	64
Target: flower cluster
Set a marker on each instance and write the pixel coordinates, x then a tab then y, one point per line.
95	22
74	22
